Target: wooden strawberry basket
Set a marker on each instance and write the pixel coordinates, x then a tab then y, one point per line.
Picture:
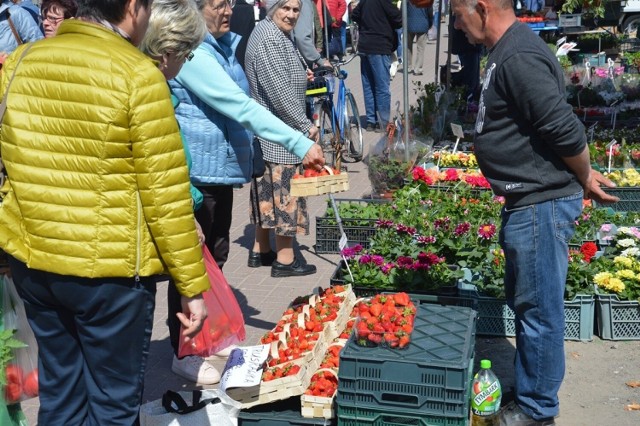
319	406
330	184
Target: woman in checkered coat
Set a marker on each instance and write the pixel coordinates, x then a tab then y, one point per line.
277	76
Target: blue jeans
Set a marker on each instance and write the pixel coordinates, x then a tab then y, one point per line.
93	342
343	36
399	48
535	243
374	70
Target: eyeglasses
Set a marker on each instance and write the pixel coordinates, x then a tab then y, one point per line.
53	19
221	7
189	56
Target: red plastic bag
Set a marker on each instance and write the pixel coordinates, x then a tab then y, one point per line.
225	324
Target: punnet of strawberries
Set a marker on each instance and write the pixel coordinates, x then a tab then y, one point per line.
289	369
323	383
385	320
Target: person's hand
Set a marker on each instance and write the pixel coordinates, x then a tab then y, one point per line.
314	159
200	233
310	75
314	134
194	312
593	191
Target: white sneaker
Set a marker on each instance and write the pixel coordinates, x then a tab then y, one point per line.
195	369
394	69
223	353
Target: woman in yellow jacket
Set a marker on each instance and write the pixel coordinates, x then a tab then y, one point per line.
97	208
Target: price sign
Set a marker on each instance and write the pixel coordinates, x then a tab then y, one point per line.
457	130
343	241
591	131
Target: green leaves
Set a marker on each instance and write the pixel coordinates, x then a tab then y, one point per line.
7	345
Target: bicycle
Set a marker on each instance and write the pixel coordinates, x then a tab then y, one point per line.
339	121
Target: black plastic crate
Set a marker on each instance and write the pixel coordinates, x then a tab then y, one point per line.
430	376
448	295
281	413
358	231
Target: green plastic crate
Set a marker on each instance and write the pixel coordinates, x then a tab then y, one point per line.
617	319
430	376
496	318
280	413
351	415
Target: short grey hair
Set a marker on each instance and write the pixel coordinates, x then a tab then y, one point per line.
174	26
277	4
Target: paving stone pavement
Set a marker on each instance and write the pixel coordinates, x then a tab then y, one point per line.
263	298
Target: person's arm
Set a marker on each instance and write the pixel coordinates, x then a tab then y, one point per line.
590	179
393	14
356	12
341	8
538	97
25	25
162	179
221	93
304	34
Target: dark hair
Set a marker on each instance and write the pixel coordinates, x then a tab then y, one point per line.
70	7
112	11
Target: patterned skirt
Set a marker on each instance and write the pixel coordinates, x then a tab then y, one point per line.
272	207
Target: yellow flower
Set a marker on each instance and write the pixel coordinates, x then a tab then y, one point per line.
623	261
625	273
602	278
615	284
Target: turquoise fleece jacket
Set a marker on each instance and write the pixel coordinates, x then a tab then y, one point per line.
214	109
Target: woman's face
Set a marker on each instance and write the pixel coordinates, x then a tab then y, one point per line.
217	15
52	19
287	15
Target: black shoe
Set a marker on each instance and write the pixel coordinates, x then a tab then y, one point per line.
373	127
261	259
295	269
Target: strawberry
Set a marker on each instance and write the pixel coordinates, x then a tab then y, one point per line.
404	341
401	299
375	309
375	338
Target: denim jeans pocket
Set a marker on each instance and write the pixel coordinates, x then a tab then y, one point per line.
565	213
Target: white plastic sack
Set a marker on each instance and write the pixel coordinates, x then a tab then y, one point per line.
222	411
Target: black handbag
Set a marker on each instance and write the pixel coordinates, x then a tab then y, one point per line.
258	161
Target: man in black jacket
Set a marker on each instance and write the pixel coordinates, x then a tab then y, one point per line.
533	150
377	21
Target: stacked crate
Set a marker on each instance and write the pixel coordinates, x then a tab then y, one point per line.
425	384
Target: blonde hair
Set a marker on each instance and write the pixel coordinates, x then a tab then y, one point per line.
174	26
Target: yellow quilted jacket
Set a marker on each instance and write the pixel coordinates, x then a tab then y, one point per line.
99	185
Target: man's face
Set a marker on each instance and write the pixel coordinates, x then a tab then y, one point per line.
469	21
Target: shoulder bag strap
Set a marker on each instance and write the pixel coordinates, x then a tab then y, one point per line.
3	105
174	403
13	29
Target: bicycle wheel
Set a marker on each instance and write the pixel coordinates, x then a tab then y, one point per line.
327	134
352	149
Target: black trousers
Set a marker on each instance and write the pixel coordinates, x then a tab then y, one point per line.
93	339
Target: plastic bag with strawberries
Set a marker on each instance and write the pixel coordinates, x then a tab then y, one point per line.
19	350
224	325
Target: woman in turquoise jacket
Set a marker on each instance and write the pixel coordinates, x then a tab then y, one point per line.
219	118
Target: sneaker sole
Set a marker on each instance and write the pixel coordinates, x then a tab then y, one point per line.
191	378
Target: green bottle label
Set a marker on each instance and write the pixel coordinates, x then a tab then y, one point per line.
486	397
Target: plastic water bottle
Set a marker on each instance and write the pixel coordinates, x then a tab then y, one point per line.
486	394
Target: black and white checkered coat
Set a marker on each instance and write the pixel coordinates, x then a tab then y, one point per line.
278	81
